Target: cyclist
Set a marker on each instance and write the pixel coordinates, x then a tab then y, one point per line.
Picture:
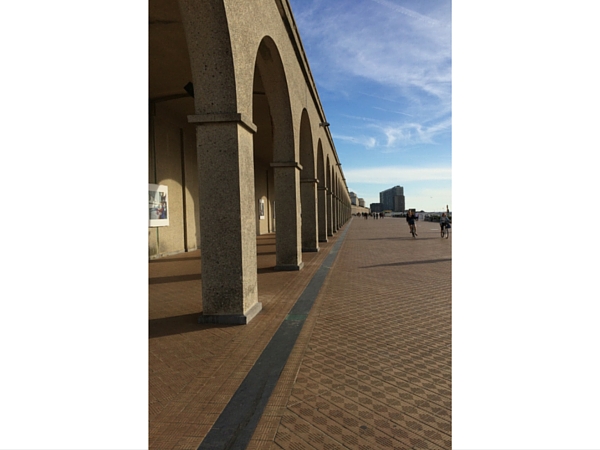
410	219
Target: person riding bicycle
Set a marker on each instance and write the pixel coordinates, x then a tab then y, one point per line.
444	222
410	219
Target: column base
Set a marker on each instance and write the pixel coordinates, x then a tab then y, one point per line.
289	267
232	319
323	240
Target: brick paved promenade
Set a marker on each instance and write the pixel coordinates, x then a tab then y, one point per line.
371	367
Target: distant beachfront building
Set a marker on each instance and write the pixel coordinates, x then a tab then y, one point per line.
393	199
353	199
376	207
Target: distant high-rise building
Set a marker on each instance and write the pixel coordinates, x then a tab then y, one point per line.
361	202
376	207
392	199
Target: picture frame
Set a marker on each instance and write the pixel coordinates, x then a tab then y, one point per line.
158	205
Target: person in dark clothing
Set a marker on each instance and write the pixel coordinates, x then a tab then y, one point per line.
410	219
444	222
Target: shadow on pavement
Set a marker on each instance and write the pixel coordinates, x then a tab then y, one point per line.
175	279
168	260
178	324
409	263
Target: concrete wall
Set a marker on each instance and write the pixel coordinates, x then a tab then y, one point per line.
264	188
173	163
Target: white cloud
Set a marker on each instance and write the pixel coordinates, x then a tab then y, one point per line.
391	174
385	67
405	52
386	47
393	136
367	141
413	133
389	110
406	11
364	119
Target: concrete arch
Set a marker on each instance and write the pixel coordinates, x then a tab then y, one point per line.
269	68
236	120
322	194
210	54
307	157
340	218
263	156
330	227
336	211
308	187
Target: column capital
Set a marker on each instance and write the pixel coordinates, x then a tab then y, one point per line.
287	164
242	119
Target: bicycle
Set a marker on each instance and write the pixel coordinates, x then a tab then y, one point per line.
413	230
445	230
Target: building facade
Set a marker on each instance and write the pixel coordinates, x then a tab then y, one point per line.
393	199
376	207
239	138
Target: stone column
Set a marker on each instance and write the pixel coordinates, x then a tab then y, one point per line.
334	213
330	230
322	200
288	238
227	215
310	229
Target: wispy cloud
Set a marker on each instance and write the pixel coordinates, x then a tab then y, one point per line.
393	136
395	112
367	141
391	174
406	11
393	46
413	133
384	73
364	119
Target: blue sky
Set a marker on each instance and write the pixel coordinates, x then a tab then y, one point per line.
525	139
383	72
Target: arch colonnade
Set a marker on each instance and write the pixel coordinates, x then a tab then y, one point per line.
239	137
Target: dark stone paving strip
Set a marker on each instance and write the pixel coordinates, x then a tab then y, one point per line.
236	424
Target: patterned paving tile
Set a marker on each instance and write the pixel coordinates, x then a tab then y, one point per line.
371	368
195	369
379	354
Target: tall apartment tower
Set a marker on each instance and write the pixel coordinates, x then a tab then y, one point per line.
393	199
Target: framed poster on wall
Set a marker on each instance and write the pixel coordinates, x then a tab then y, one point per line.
158	205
